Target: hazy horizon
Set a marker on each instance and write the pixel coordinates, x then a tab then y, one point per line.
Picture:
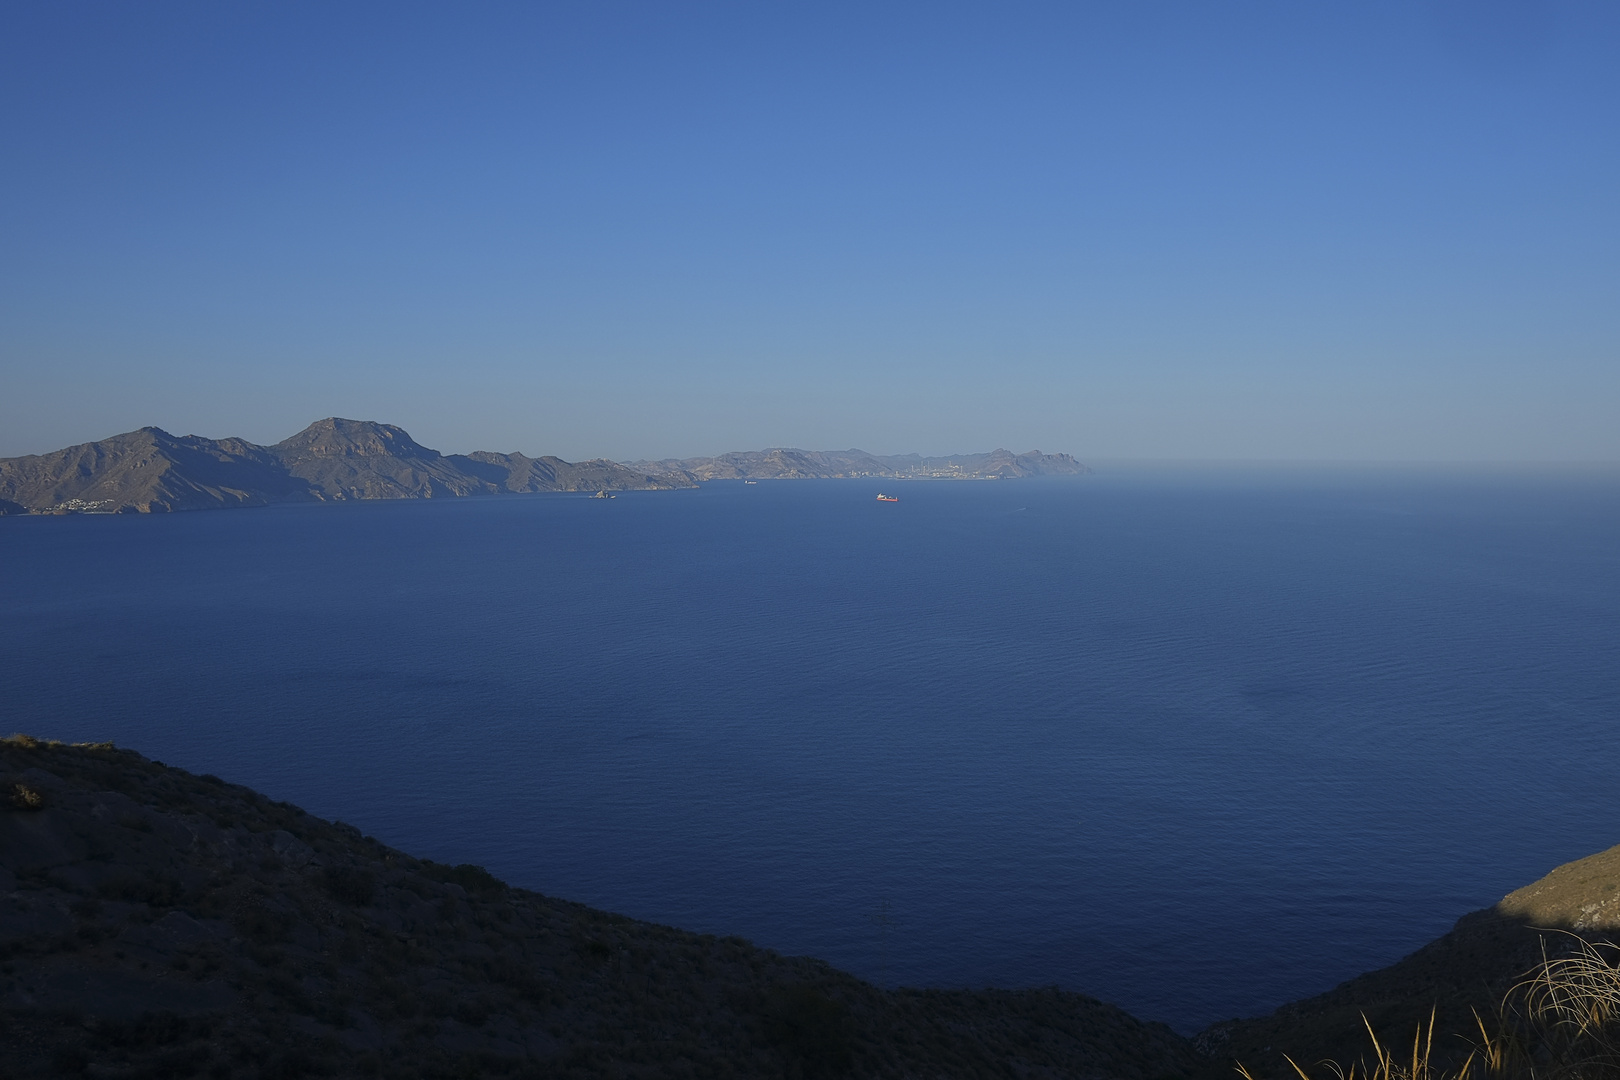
1097	463
1254	232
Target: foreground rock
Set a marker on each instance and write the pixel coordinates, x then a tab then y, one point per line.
151	471
156	923
1465	972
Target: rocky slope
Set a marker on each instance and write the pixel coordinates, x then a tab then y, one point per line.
1467	970
159	924
151	471
358	459
786	464
155	923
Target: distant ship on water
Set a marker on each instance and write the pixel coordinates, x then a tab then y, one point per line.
887	498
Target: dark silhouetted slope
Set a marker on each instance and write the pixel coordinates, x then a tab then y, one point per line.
155	923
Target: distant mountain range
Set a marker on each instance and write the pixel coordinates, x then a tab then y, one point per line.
151	471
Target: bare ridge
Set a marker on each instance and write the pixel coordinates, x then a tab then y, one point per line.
149	471
362	459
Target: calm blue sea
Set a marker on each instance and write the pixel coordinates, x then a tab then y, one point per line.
1196	742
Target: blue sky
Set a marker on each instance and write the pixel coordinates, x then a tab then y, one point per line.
1293	230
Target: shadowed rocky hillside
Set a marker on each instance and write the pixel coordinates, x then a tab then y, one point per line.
155	924
1468	970
159	924
149	470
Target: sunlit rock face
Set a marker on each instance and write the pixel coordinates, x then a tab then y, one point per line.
1465	972
1583	895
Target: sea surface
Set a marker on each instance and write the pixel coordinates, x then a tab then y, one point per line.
1197	742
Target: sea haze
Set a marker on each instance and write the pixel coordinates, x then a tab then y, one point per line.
1196	743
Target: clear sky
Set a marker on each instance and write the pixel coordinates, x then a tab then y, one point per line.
1284	230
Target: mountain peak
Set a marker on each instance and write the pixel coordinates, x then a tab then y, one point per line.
338	437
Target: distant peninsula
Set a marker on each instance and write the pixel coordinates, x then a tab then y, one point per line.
151	471
783	464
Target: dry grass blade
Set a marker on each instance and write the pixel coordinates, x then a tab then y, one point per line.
1561	1022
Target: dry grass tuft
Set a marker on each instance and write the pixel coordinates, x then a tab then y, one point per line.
24	797
1561	1022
